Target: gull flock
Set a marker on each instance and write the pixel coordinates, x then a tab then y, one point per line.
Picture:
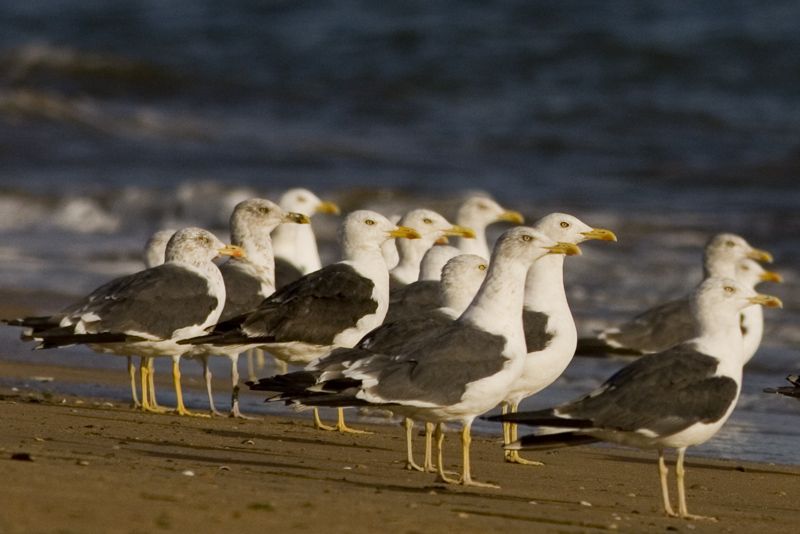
434	332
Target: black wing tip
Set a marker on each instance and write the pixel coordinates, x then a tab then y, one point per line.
593	347
551	441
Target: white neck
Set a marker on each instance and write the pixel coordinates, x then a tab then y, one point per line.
411	252
497	308
478	245
297	244
722	338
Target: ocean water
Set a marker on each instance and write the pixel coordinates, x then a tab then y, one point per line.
667	122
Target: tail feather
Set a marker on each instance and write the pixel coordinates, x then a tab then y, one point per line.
62	340
297	381
551	441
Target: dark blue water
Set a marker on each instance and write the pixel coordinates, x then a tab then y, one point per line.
666	121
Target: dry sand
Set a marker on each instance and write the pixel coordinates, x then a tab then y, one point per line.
93	465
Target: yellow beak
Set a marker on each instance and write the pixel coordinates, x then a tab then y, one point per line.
298	218
512	217
462	231
233	251
600	233
771	276
568	249
760	255
404	232
442	240
766	300
328	207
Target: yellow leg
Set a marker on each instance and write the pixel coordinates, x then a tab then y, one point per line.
340	425
513	456
442	475
148	392
281	367
466	475
151	391
411	465
132	375
663	472
506	426
428	465
180	409
679	474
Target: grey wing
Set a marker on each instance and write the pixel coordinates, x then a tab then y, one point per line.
535	325
410	300
155	301
664	392
440	369
656	329
315	308
243	289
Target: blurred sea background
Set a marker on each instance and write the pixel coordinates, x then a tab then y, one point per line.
665	121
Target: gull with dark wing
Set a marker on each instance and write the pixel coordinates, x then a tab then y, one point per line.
672	399
329	308
670	323
462	371
149	312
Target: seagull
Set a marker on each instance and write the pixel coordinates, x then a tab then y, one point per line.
550	332
431	227
296	252
462	276
329	308
462	371
672	399
424	294
248	280
478	212
148	312
670	323
789	391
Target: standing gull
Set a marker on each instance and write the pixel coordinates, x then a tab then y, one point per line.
465	369
462	276
329	308
425	293
296	252
431	227
248	279
550	333
148	312
477	213
672	399
670	323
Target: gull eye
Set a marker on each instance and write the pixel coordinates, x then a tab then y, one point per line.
369	222
301	198
730	290
564	224
482	267
527	237
745	268
263	210
730	243
204	240
482	206
427	220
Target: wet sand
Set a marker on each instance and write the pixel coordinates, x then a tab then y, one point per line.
92	464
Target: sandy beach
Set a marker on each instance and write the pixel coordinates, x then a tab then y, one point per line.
92	465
